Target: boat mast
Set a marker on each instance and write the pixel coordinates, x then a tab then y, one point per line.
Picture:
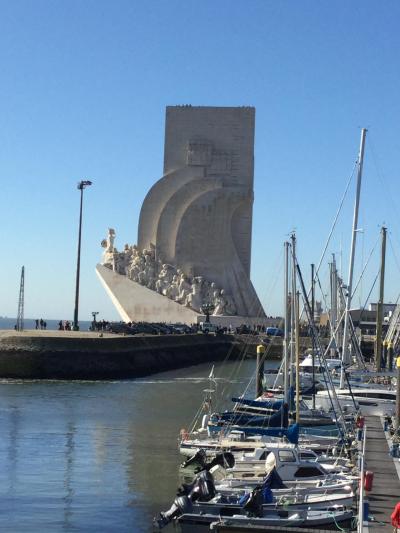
297	323
345	348
379	311
286	324
293	315
313	347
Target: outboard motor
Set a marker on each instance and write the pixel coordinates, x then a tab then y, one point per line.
188	488
225	459
199	457
202	489
181	505
253	506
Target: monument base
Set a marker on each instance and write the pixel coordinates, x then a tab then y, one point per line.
136	303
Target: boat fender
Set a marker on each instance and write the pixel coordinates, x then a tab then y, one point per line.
334	451
395	516
184	434
204	421
368	480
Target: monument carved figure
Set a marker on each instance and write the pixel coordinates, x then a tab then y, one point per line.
194	235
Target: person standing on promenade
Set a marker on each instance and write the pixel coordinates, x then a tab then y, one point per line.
37	323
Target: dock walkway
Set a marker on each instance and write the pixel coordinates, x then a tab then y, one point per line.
385	493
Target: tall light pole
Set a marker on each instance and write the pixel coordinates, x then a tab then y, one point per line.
81	186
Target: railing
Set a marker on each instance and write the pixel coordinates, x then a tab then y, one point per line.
361	496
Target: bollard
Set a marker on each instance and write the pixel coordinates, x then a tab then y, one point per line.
260	370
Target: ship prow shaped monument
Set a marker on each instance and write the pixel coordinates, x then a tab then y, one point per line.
193	249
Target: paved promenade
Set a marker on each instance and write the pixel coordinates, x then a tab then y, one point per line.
4	333
385	492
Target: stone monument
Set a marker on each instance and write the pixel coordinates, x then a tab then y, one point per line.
194	237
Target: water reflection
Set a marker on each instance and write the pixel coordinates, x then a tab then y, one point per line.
68	481
88	456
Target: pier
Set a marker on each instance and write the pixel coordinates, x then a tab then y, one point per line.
41	354
385	493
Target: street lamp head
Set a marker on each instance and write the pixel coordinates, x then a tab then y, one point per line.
84	183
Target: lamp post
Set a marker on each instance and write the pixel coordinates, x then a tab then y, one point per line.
81	187
94	314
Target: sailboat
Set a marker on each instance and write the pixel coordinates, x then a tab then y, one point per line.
371	399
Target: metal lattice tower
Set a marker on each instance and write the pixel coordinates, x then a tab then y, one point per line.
20	314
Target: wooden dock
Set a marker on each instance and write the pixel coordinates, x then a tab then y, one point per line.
385	493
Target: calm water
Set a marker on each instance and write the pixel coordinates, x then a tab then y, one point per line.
97	456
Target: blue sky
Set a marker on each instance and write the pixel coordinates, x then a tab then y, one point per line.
83	91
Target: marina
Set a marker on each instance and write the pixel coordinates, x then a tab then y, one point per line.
199	297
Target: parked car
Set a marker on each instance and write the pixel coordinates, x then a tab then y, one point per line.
274	332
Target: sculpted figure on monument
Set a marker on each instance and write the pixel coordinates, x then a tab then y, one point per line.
173	290
224	304
134	267
118	264
108	245
184	286
208	292
230	307
219	303
147	275
164	278
127	257
141	267
195	299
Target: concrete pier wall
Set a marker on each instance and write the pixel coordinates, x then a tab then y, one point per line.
63	356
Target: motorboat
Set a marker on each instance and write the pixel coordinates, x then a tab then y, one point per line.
371	400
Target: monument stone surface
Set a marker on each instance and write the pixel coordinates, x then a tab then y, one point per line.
194	236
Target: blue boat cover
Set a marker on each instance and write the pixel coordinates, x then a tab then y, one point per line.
267	404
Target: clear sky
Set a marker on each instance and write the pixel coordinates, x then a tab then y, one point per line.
83	91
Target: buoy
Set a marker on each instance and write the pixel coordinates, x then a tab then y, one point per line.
368	480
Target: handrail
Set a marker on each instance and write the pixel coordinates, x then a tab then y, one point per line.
361	498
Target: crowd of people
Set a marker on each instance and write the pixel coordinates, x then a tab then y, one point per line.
40	324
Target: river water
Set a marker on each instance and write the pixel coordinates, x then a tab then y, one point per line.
98	456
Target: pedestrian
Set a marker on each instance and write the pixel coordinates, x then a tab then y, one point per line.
37	323
44	324
60	326
41	323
